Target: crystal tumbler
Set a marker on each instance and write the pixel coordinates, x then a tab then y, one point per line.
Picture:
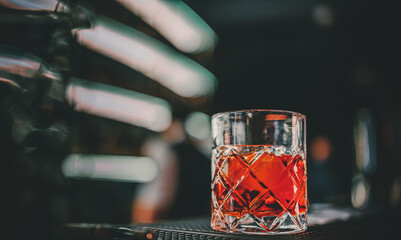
259	172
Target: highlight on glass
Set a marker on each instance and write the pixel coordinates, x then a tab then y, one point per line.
259	172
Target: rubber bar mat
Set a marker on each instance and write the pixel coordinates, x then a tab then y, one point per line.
199	229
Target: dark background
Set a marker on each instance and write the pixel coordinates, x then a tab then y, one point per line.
326	59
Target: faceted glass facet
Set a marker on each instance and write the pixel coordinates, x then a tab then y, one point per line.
258	189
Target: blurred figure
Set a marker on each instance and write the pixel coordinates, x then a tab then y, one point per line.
153	200
193	196
182	187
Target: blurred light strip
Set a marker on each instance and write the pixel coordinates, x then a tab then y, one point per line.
110	167
365	141
119	104
126	45
37	5
177	22
360	192
197	125
9	82
18	65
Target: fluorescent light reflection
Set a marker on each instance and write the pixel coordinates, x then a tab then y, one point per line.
360	192
29	5
177	22
119	104
19	65
197	125
126	45
110	167
364	141
9	82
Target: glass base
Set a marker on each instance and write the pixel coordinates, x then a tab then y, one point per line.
249	224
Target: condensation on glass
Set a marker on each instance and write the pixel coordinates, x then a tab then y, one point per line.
259	172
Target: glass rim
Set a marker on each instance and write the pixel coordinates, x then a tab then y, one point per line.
271	111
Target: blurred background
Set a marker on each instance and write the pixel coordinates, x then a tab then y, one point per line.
105	105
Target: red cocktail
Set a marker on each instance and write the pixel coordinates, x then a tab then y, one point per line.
257	182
